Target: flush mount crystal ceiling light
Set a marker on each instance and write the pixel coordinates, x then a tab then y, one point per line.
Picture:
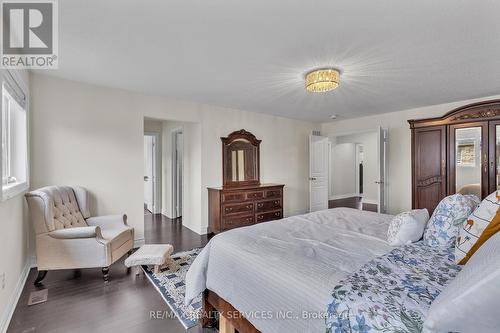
322	80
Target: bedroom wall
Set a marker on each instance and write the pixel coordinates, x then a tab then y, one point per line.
92	136
343	170
15	253
399	149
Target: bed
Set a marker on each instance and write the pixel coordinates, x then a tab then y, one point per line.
280	275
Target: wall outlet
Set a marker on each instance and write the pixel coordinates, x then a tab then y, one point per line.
2	280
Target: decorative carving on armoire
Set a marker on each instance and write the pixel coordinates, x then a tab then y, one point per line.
477	115
442	148
429	181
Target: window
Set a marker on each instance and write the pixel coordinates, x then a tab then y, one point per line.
14	133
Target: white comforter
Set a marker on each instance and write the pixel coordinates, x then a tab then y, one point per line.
280	274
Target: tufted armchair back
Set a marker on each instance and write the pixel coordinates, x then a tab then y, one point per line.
58	207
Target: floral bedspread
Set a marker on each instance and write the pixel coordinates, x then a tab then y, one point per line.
391	293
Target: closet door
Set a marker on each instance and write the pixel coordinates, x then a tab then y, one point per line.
468	159
429	166
494	156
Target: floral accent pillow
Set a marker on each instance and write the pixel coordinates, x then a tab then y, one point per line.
407	227
442	229
483	223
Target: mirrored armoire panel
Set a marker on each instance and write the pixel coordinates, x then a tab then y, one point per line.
468	159
456	153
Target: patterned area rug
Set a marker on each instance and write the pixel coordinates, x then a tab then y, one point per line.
171	286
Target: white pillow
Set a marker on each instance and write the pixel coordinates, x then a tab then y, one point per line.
407	227
470	303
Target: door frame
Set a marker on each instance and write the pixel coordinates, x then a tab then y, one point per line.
174	185
356	176
156	168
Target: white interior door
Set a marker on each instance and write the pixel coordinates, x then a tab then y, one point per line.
149	161
318	173
382	170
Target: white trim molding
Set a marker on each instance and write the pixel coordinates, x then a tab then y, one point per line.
344	196
16	294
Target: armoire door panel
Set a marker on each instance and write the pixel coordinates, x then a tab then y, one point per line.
429	196
429	166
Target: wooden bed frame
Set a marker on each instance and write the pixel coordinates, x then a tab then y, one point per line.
230	319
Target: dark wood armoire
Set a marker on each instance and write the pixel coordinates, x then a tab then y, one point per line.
242	200
456	153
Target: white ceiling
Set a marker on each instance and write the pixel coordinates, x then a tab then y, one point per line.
252	55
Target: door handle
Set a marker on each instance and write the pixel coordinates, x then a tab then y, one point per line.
146	178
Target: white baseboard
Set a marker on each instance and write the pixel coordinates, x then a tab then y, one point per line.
370	201
139	242
343	196
11	305
164	213
297	212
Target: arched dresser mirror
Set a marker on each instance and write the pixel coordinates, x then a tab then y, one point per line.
240	159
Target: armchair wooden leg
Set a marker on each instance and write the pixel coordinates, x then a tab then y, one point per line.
105	274
40	277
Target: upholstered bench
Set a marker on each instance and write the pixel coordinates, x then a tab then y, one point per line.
153	254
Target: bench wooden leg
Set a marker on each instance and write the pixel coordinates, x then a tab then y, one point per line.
225	326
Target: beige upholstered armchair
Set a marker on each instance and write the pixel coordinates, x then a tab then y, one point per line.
68	238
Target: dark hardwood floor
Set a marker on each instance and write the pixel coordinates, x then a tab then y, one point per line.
353	202
79	301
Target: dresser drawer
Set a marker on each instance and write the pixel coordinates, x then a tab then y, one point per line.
231	222
233	196
264	217
263	206
237	208
273	193
255	195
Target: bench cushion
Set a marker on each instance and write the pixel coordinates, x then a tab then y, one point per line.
150	254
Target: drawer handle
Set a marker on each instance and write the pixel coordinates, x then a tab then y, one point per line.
249	219
260	205
276	203
249	206
260	217
228	209
277	214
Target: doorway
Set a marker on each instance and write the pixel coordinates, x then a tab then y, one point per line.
177	174
358	170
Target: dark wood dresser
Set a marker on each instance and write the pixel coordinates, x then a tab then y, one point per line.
230	208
